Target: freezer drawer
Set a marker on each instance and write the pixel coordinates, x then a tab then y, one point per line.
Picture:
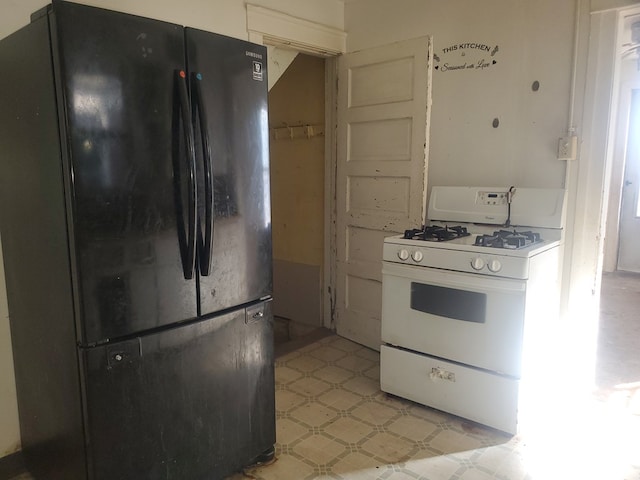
194	402
470	393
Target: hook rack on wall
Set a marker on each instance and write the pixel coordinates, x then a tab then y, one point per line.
297	132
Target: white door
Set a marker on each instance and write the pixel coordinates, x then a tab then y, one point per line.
629	247
384	99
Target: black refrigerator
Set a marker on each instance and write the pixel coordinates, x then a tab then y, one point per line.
136	230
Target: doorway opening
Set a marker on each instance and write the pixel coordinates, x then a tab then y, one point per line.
621	251
617	376
297	152
629	224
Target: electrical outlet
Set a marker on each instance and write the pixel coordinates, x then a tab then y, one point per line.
568	148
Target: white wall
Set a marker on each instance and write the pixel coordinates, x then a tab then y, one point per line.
227	17
535	41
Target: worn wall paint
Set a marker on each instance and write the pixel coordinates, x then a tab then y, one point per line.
227	17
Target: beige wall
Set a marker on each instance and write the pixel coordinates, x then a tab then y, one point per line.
297	165
227	17
297	189
535	43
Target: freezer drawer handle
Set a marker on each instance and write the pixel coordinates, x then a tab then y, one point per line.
187	240
199	116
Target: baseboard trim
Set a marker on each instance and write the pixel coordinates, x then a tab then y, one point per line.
12	466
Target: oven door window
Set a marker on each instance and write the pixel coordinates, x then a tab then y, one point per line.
449	302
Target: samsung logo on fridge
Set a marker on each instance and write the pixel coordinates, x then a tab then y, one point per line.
253	54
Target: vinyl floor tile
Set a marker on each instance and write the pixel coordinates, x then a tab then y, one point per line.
342	427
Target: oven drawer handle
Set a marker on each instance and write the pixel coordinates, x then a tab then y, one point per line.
438	373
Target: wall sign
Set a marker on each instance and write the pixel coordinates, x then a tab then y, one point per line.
466	56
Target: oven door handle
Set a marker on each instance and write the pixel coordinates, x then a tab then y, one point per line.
458	280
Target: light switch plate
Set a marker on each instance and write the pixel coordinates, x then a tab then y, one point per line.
568	148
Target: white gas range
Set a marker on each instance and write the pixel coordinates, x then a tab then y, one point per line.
464	303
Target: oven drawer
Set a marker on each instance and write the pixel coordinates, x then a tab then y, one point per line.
466	318
480	396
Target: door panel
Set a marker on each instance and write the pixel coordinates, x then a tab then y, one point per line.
120	108
233	85
194	402
383	115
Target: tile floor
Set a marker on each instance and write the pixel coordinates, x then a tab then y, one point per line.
333	422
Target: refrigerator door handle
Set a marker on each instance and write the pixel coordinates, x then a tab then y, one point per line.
199	114
187	239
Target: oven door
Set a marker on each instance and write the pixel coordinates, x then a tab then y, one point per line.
467	318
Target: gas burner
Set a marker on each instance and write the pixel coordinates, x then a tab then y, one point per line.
508	239
436	233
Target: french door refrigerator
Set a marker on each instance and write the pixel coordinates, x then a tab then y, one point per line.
135	225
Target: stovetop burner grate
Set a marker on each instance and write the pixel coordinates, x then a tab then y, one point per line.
436	233
508	239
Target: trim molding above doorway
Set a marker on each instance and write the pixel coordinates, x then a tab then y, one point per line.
271	27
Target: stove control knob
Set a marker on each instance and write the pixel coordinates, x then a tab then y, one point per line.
477	263
417	256
495	266
403	254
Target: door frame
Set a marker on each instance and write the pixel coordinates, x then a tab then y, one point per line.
587	179
269	27
618	169
330	277
617	160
